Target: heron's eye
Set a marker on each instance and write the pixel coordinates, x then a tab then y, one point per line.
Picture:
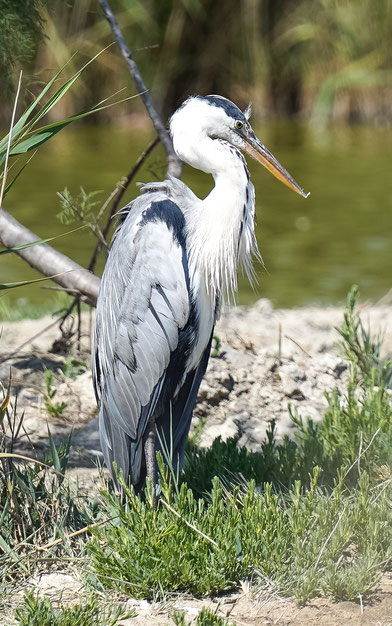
239	124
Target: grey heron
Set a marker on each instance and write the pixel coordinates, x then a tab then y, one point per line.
172	264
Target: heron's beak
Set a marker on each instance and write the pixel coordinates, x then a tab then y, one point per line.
258	151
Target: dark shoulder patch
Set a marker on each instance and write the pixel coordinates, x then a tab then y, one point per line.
170	214
229	107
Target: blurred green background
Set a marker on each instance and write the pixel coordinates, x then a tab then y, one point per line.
319	75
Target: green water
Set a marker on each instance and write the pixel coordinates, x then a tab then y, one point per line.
313	249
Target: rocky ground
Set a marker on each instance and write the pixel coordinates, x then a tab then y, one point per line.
265	359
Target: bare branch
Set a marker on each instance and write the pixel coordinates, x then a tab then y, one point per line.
116	196
173	162
47	260
128	179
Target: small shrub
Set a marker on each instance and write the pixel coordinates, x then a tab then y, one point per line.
38	611
72	367
206	617
55	409
80	207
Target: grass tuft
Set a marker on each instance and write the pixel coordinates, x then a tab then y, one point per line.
37	611
37	502
206	617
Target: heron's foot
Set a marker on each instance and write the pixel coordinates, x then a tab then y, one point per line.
149	453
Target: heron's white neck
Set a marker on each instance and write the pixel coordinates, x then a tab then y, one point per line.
221	227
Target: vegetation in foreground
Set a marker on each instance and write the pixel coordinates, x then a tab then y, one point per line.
37	611
306	517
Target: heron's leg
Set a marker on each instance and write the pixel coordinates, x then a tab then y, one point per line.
149	453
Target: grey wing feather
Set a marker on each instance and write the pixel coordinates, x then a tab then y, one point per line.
143	304
175	431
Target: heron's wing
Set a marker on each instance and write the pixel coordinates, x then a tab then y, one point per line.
173	427
143	303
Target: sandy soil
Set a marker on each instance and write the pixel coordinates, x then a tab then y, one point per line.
267	358
246	608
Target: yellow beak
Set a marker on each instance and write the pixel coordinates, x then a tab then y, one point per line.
258	151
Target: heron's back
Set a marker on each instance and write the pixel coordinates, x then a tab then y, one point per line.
149	355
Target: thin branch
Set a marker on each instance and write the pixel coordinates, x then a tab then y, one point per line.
125	183
81	531
9	139
117	194
298	345
9	455
93	227
362	452
199	532
328	538
173	162
108	200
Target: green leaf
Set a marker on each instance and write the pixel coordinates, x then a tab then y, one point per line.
39	241
64	88
5	402
47	132
34	141
22	120
24	127
11	553
22	283
15	178
54	453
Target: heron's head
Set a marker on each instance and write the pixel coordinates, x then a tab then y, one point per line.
219	118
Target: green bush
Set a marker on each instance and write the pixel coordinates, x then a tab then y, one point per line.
38	611
351	423
303	542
